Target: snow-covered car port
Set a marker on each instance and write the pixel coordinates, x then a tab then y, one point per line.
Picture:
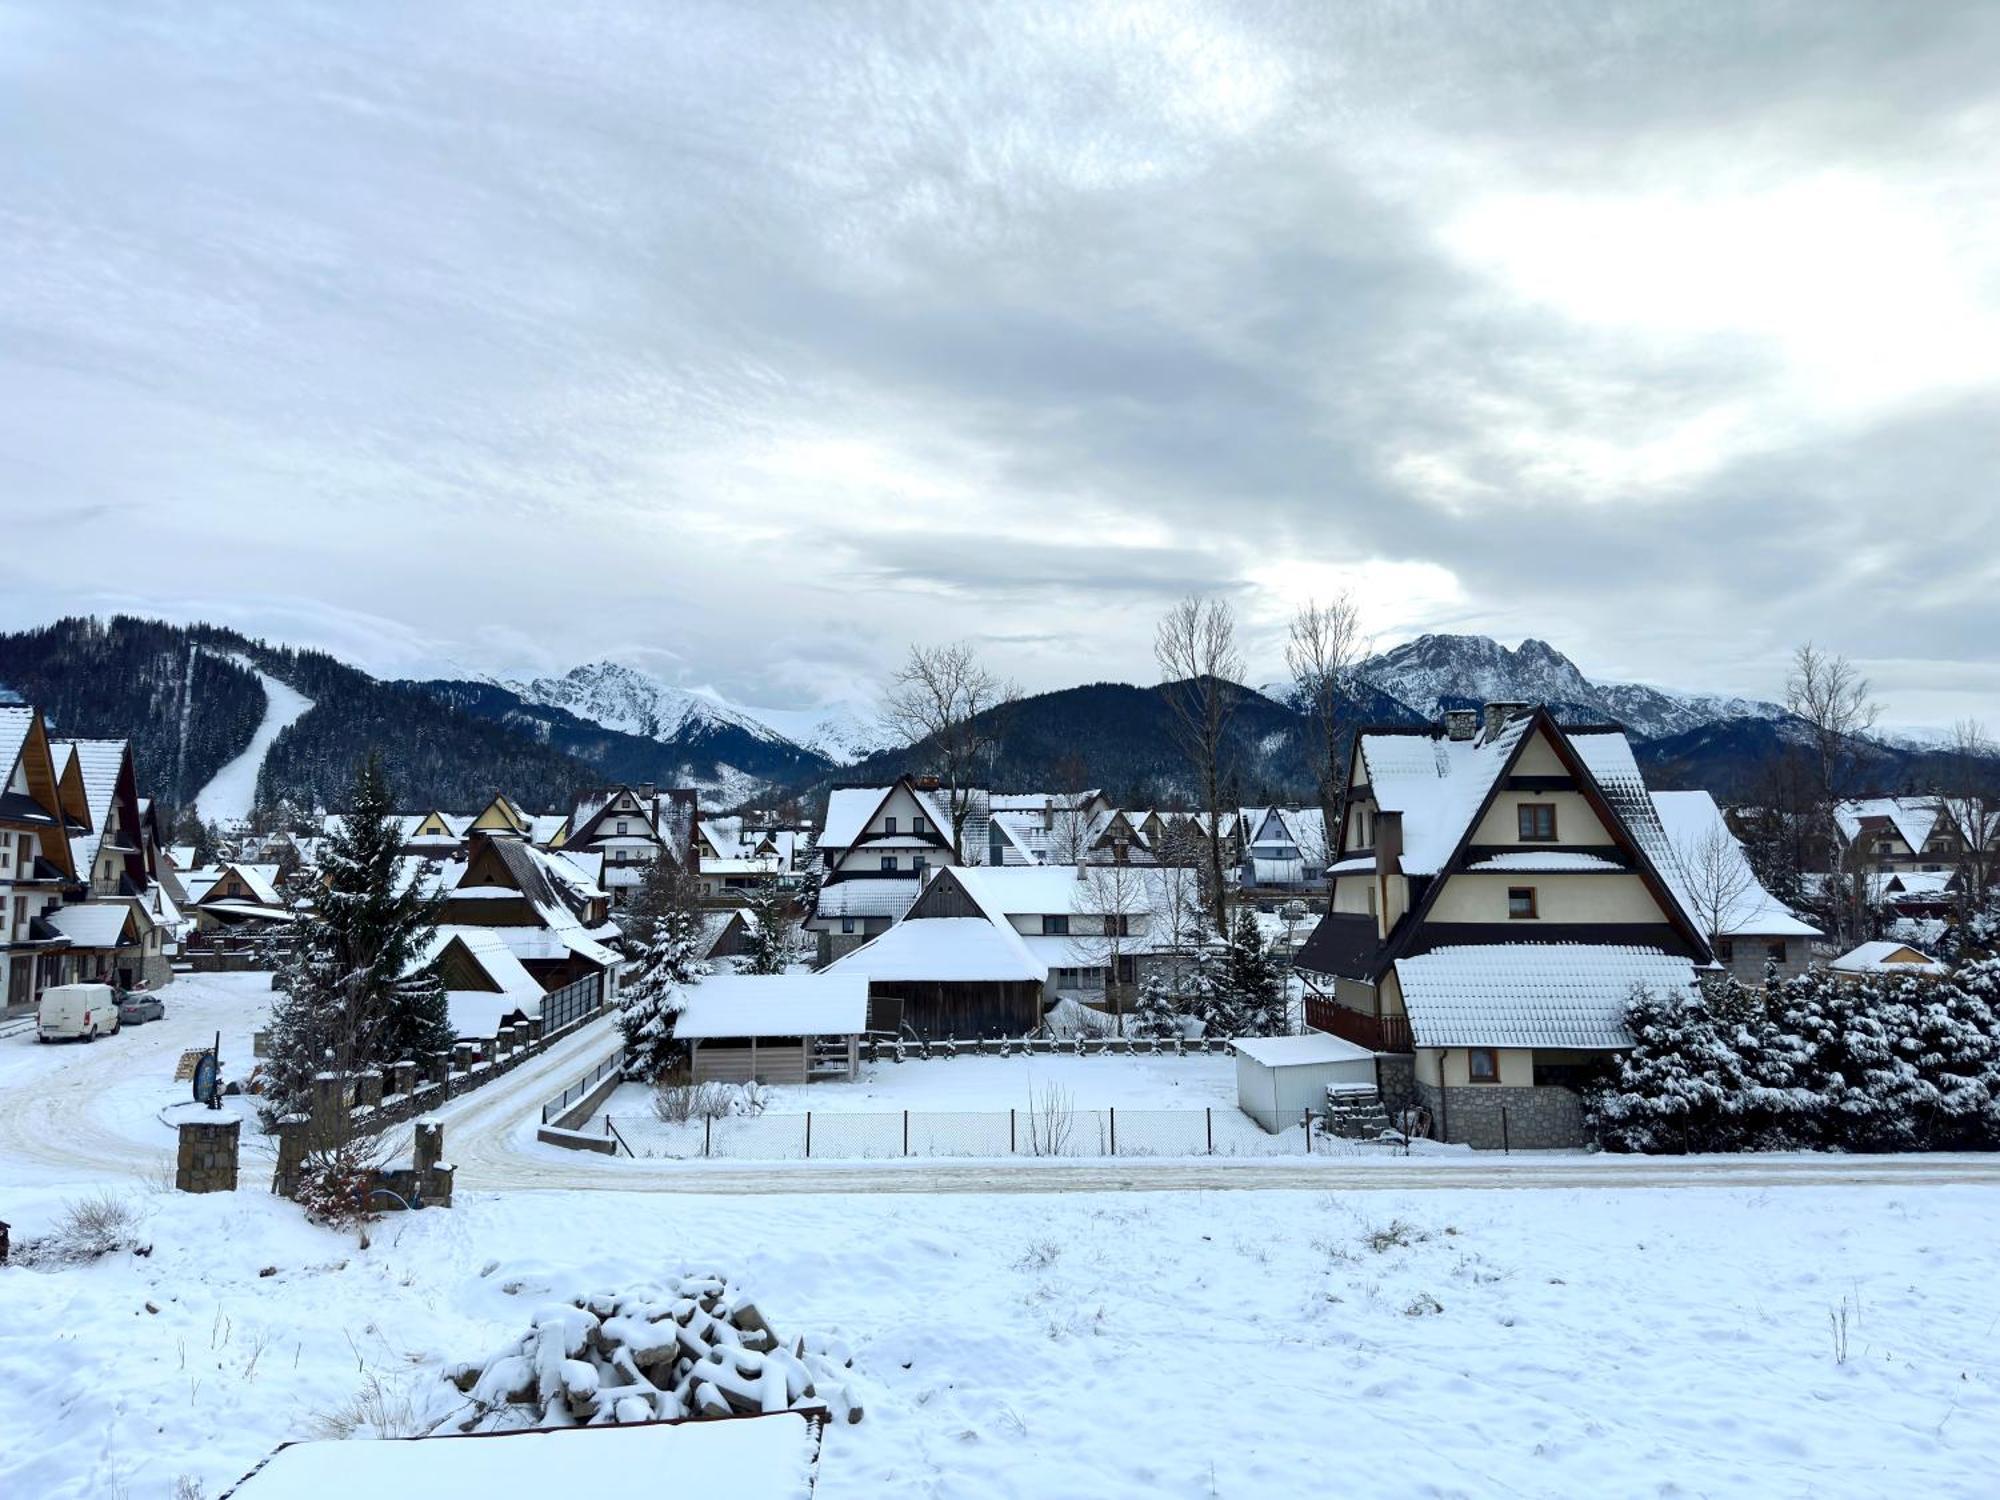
1278	1078
774	1028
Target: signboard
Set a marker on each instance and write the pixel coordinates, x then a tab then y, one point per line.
204	1079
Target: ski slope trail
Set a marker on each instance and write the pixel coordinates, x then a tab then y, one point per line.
232	791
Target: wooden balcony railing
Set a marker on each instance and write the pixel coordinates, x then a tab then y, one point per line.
1376	1033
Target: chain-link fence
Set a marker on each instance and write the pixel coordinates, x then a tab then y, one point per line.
1047	1130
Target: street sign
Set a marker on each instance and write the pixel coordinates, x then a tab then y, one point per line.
204	1079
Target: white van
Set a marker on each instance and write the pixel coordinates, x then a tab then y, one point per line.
85	1011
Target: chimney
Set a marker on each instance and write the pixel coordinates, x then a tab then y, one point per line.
1461	723
648	791
1497	715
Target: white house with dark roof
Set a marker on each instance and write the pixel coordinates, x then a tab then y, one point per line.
880	840
1502	884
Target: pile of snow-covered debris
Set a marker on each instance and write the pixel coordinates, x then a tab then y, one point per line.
690	1348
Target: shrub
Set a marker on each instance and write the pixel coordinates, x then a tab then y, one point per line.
89	1229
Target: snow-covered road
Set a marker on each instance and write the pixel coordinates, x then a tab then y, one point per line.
232	791
81	1113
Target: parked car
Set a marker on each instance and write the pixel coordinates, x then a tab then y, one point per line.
80	1012
136	1006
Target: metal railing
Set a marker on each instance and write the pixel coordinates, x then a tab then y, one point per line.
583	1085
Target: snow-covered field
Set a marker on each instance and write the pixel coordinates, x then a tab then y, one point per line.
989	1083
1339	1330
1259	1344
232	791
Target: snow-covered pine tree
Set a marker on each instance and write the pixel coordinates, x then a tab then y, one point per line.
357	990
1256	988
1674	1089
768	947
666	927
1154	1013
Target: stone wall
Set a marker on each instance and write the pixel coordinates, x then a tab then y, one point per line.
1396	1078
208	1155
1536	1119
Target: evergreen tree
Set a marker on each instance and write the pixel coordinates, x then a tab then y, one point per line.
1676	1088
770	946
1255	987
809	871
357	990
657	993
1154	1014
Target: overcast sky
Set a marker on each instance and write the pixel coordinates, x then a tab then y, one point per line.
750	343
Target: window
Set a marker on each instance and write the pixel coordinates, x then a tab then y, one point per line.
888	861
847	924
1775	952
888	825
920	864
918	825
1726	951
1482	1064
1520	901
1538	822
1118	925
1371	898
624	826
1055	926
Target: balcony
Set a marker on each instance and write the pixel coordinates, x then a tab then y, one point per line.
1376	1033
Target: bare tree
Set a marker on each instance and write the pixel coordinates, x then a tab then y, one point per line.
1324	647
1717	878
1831	697
1107	901
1971	802
941	705
1069	820
1195	647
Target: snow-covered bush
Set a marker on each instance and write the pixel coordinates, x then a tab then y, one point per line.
1885	1063
335	1181
89	1229
678	1103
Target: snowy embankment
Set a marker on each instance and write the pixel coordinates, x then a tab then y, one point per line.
1823	1341
232	791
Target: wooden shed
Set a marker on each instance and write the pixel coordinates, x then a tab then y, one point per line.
774	1028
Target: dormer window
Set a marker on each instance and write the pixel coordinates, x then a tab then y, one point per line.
1538	822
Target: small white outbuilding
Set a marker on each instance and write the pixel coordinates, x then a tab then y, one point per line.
1278	1078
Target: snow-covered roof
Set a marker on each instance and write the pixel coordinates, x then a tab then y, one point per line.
1437	784
248	909
1313	1049
1532	994
848	809
766	1456
944	948
487	949
1607	755
98	762
15	722
868	898
832	1002
1691	820
1913	818
1884	957
1059	890
1548	862
93	924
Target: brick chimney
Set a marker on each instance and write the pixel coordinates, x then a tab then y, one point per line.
1497	715
1461	723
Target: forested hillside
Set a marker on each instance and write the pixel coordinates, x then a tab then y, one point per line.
189	710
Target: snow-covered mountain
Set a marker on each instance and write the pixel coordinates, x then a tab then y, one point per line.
635	702
1436	672
844	733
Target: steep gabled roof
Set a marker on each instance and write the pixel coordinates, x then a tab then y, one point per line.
1439	785
1690	820
1913	818
102	765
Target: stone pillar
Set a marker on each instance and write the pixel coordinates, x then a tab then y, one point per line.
463	1055
489	1049
294	1136
534	1031
368	1089
208	1155
329	1107
403	1077
432	1173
